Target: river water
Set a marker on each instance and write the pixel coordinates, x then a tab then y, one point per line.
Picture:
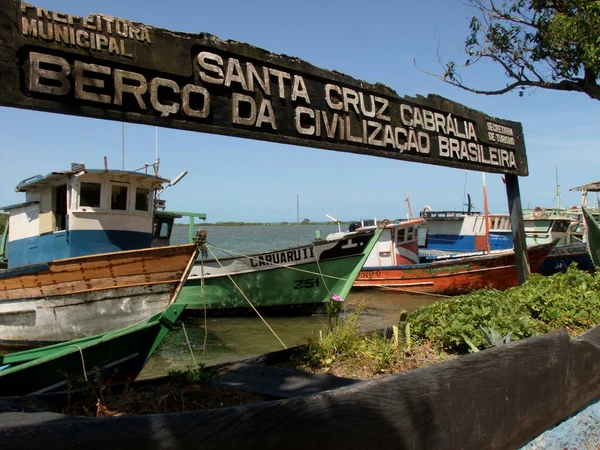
215	340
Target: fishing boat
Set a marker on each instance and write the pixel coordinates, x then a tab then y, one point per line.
397	244
468	233
456	233
453	276
115	356
301	279
85	212
80	257
593	235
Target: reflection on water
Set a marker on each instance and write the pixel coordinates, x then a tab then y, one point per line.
233	338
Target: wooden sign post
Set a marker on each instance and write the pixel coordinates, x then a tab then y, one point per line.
112	68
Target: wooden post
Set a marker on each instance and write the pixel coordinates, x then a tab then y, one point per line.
191	230
486	217
518	230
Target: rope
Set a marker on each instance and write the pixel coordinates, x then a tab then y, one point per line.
319	267
82	361
409	291
326	287
188	343
246	298
203	294
231	253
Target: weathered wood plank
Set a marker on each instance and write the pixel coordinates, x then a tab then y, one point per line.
81	286
198	82
99	271
499	398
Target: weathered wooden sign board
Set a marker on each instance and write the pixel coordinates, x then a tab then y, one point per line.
112	68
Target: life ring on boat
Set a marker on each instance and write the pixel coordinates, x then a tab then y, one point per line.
426	210
538	212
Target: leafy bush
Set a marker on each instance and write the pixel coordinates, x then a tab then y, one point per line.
346	346
199	375
568	300
343	339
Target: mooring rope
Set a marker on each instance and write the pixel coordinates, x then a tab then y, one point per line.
319	267
82	361
409	291
246	298
203	294
188	343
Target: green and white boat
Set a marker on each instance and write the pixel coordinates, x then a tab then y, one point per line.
593	235
299	279
116	356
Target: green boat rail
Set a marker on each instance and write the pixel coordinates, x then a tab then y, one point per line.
191	226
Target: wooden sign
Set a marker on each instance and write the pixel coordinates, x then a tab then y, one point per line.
111	68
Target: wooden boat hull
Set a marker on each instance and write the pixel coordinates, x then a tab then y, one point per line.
117	356
301	278
77	297
453	277
562	256
593	235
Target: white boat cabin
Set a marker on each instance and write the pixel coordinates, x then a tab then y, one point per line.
397	245
82	212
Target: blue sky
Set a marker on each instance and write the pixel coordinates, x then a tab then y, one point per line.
247	180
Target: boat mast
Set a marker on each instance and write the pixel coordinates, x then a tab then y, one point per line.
407	200
487	220
557	190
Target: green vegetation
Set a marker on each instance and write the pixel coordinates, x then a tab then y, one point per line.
460	325
545	44
360	355
569	300
199	375
3	221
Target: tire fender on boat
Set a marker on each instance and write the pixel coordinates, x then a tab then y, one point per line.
426	210
538	212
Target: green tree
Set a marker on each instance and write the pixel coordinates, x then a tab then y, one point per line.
551	44
305	222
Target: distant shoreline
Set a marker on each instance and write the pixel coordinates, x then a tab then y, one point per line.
253	224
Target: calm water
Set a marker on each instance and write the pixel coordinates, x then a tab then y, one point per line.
232	338
254	239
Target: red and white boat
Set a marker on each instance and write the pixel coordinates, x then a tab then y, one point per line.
453	276
394	263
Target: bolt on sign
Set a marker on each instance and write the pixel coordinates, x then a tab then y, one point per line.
112	68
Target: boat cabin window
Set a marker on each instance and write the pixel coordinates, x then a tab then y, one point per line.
89	195
60	207
162	228
118	198
561	226
537	226
409	234
401	235
141	199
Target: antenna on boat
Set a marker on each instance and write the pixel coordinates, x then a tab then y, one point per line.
487	220
465	190
557	189
297	219
335	220
122	145
178	178
407	200
156	138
